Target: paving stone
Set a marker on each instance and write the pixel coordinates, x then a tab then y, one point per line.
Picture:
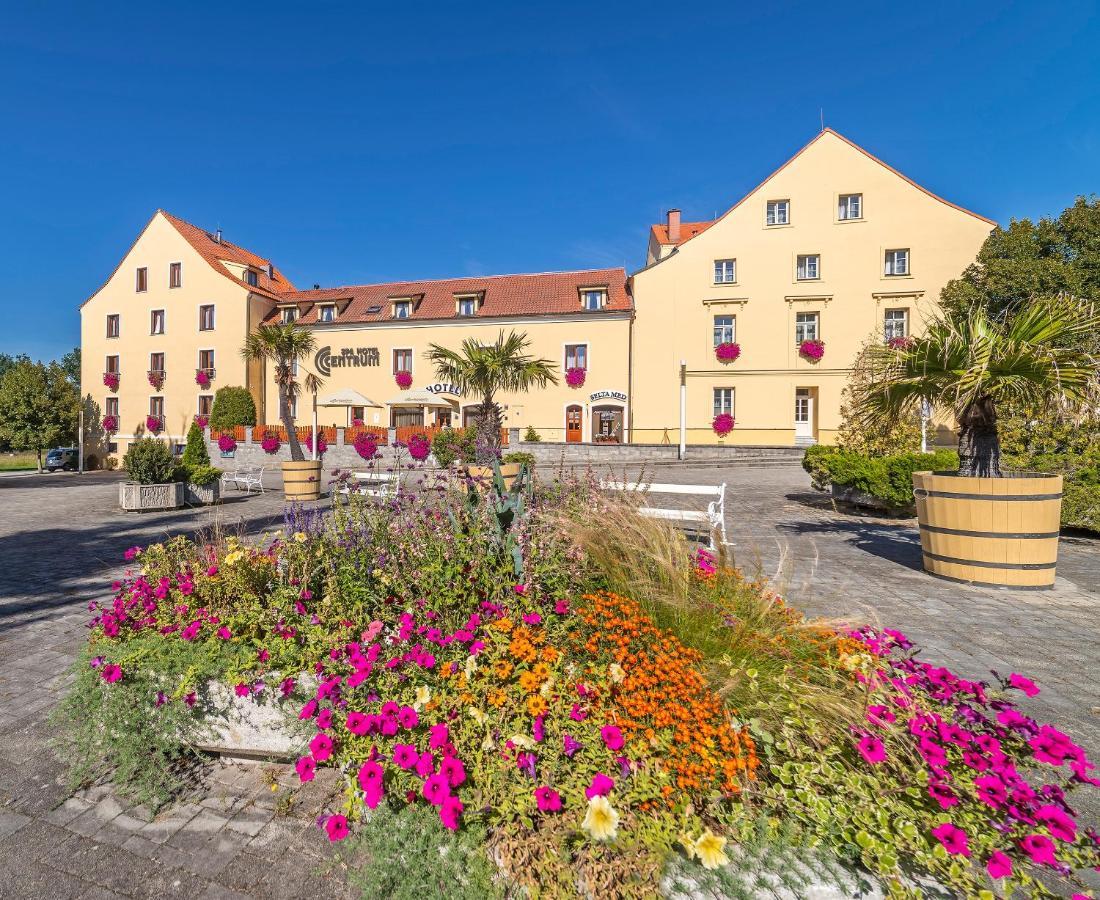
11	821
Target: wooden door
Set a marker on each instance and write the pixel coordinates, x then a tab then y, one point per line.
574	428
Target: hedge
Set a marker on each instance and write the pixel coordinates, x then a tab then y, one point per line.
888	478
1081	489
232	406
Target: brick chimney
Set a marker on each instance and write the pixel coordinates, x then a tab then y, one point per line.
674	226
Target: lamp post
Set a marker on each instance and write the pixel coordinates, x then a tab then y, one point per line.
683	408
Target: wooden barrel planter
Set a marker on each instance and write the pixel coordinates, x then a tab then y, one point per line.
995	532
302	480
508	471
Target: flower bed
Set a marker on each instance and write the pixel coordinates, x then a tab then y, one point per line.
501	666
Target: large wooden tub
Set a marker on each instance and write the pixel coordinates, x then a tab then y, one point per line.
996	532
302	480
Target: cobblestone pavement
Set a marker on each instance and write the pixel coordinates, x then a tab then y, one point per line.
61	540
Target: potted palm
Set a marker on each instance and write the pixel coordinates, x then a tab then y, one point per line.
982	525
485	370
284	346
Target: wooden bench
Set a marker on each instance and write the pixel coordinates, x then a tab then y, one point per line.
245	479
714	517
376	485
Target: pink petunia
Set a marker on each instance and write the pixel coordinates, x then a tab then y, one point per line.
440	736
358	723
1040	848
453	770
547	799
436	789
450	811
321	747
999	865
577	714
224	633
407	718
405	756
324	718
308	711
131	553
612	737
991	790
306	767
111	673
425	766
601	786
871	749
953	838
1058	823
241	689
1023	684
370	776
337	828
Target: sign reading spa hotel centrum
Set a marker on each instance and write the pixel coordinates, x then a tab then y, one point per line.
348	356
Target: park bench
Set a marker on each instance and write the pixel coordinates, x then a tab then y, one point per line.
245	479
376	485
713	517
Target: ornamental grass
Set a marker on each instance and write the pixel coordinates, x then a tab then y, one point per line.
553	695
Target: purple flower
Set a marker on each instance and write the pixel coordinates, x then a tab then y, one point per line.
571	745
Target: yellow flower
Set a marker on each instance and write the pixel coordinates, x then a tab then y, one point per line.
711	850
234	556
470	667
536	705
601	821
522	740
423	695
300	537
688	845
476	714
502	668
616	672
497	698
529	681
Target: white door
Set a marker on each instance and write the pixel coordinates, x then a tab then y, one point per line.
803	414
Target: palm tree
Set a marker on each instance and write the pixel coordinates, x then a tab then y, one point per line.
969	361
284	345
483	370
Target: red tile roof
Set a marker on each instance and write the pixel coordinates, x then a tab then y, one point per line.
213	252
688	230
544	293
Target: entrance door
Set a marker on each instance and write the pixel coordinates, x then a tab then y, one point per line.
607	424
574	428
803	415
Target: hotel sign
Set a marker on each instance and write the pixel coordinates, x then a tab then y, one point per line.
441	387
325	361
608	395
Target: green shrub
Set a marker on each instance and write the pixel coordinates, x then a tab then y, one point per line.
195	453
232	406
203	476
532	436
453	444
887	478
526	459
149	461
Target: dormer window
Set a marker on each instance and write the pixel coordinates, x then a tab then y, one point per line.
290	314
402	309
251	277
326	313
467	305
593	299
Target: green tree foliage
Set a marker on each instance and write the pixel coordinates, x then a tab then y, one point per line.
195	453
900	436
70	362
454	444
7	362
149	461
484	370
232	406
39	407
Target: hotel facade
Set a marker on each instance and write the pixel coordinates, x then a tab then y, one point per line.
834	247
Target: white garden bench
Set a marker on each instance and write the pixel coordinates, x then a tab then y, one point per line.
714	517
245	479
376	485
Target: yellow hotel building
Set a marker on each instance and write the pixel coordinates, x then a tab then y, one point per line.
835	246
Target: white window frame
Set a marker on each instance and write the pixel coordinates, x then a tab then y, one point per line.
583	347
725	333
330	308
405	305
600	295
461	305
724	400
773	210
159	400
163	321
725	271
803	264
889	323
213	315
170	285
890	264
213	358
289	314
808	329
844	207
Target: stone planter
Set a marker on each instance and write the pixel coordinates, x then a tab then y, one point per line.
302	480
250	727
137	497
996	532
843	493
203	495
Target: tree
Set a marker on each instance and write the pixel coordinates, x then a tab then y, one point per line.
70	362
971	361
284	345
484	370
8	362
884	439
195	453
232	406
39	407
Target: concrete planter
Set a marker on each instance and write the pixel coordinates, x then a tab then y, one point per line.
137	497
203	495
253	727
996	532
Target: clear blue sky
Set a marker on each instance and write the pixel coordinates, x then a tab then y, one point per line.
376	141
